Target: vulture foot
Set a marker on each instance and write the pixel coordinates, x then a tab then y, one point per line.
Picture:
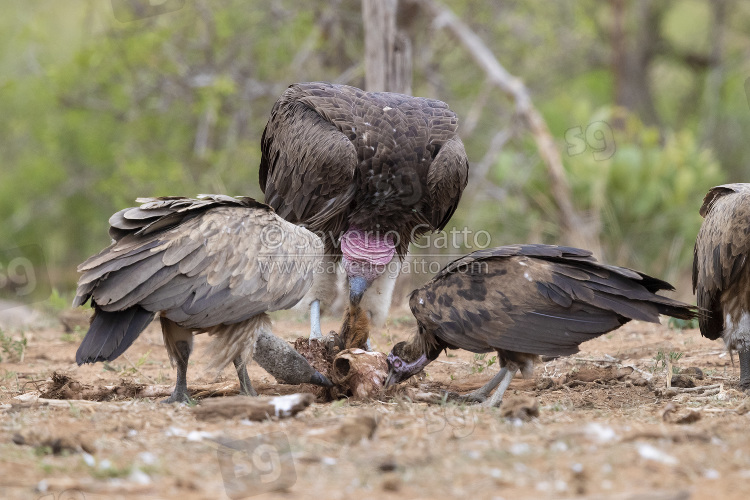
472	397
178	397
481	394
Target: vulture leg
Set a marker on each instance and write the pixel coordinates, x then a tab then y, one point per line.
246	387
745	370
180	393
480	395
179	344
497	399
315	332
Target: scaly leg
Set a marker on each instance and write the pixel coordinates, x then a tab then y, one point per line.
480	395
497	399
246	388
315	333
745	370
180	393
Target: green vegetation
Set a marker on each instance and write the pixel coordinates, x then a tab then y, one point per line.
481	362
682	324
13	349
97	112
664	359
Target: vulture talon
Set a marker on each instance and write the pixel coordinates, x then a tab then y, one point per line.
198	264
524	301
182	397
471	397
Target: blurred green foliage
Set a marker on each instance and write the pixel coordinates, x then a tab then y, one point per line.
96	112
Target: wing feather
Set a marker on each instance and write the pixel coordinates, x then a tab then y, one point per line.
210	266
720	251
534	299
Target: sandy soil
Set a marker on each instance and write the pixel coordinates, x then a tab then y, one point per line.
603	430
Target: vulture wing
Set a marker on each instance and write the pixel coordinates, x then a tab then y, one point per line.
721	249
205	262
308	164
446	180
334	155
535	299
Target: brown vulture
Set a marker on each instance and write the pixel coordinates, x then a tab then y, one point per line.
215	264
369	172
524	301
721	278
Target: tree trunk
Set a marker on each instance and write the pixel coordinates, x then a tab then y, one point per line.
387	48
633	53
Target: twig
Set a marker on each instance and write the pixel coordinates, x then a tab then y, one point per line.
573	225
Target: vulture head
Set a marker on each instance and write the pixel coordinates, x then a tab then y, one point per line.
407	359
365	256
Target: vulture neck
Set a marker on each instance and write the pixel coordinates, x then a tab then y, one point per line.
374	247
423	343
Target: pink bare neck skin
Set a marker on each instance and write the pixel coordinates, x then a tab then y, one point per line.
366	253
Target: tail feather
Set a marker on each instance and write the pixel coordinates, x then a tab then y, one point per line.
678	310
111	333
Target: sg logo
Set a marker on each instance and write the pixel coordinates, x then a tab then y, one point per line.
256	465
598	136
23	275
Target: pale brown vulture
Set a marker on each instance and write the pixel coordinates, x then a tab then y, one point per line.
721	278
215	264
524	301
369	173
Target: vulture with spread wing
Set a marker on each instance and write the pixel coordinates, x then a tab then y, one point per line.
721	278
524	301
367	171
215	264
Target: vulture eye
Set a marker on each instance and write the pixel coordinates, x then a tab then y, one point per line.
397	363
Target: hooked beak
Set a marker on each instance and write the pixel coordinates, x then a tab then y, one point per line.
320	379
357	287
390	379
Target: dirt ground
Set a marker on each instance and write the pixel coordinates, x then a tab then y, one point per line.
607	427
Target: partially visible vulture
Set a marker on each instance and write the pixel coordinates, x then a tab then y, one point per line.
369	172
205	265
721	278
524	301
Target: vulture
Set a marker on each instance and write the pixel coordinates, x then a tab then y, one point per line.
204	265
524	301
721	278
369	172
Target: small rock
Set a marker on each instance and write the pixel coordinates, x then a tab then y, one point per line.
524	408
355	429
387	466
682	381
640	382
693	371
544	384
649	452
391	482
674	415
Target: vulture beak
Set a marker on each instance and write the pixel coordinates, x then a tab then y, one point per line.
357	287
390	379
320	379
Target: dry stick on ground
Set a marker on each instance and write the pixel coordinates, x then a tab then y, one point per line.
575	229
257	408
